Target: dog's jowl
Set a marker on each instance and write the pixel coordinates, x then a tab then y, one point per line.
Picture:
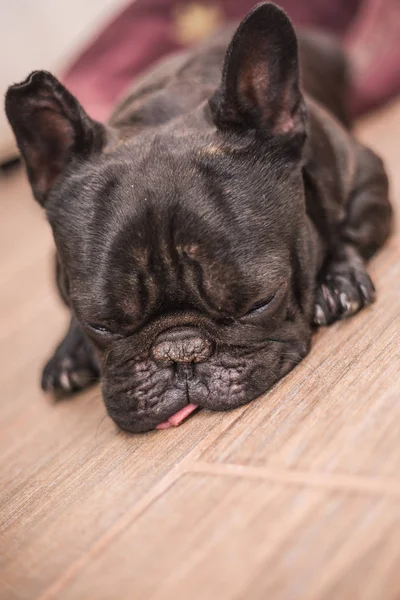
223	212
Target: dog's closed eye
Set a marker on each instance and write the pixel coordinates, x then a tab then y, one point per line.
260	306
268	302
99	329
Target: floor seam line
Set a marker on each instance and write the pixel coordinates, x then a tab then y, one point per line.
107	537
333	481
155	492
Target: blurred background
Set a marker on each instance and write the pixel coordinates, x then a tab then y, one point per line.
97	47
44	34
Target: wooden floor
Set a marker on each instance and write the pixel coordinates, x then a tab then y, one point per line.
294	497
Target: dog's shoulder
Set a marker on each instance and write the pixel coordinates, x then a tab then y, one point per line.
329	167
324	72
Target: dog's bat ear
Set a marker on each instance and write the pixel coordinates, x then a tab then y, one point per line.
51	129
260	79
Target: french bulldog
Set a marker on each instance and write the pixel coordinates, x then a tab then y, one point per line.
222	214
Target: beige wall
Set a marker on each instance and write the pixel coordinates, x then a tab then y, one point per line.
43	34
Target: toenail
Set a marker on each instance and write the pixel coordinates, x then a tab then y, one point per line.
64	381
319	315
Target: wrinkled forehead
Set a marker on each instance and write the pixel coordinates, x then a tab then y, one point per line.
142	273
177	259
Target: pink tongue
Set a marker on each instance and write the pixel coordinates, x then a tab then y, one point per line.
178	417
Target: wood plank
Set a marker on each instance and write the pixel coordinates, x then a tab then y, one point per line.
24	232
234	538
66	476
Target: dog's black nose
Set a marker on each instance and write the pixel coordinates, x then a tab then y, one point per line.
182	345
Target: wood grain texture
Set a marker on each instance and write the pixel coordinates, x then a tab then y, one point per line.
219	537
294	496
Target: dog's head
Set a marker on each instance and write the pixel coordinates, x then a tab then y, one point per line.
185	250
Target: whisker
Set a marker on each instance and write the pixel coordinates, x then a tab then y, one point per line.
103	418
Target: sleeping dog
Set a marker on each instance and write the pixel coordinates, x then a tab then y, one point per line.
223	212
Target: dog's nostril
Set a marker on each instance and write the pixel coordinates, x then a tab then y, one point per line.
182	345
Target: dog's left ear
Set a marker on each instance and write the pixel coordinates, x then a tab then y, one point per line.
260	79
51	129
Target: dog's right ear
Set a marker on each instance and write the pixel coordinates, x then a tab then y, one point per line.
51	129
260	80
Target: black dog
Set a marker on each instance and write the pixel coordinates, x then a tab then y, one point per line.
202	232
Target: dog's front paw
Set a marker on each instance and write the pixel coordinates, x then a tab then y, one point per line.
343	291
69	371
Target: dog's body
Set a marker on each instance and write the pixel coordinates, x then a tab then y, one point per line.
202	233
